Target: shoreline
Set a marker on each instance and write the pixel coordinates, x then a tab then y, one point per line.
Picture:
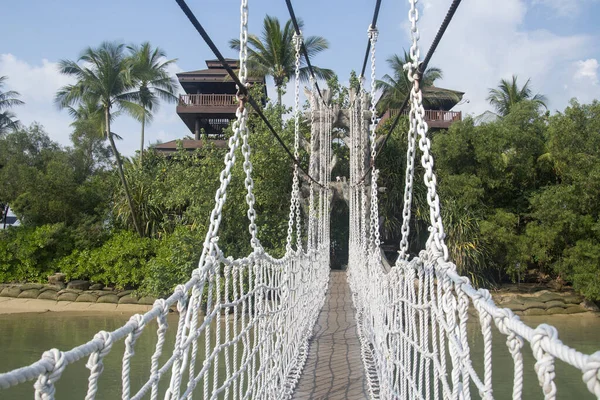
11	305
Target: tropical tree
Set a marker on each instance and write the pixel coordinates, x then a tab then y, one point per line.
396	87
152	80
8	100
273	53
103	78
508	93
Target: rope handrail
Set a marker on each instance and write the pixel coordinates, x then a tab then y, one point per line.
412	318
265	305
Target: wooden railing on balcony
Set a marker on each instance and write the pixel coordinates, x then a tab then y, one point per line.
434	115
219	100
434	118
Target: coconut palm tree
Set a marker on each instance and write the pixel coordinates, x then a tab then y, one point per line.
508	93
396	87
8	100
153	83
274	54
103	78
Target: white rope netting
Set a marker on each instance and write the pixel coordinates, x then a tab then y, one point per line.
254	315
412	320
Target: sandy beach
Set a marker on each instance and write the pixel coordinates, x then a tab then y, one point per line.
9	305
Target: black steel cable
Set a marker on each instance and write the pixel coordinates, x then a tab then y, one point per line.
242	89
422	68
373	25
304	51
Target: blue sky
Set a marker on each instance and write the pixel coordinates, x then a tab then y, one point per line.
555	42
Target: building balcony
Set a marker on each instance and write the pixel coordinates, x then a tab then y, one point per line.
434	118
210	104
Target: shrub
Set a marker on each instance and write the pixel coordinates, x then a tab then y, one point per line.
177	255
30	254
122	260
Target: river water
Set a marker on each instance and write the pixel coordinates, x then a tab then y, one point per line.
24	337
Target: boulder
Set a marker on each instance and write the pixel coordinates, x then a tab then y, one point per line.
574	309
109	288
29	294
67	296
534	311
572	299
533	304
124	293
148	300
76	291
55	288
108	298
555	310
57	278
78	285
96	286
128	299
545	296
48	295
590	306
87	298
28	286
554	303
12	291
513	306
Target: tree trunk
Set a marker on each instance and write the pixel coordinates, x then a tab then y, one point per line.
121	174
4	215
142	140
279	103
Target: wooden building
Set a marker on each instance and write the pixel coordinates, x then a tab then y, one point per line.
438	113
208	105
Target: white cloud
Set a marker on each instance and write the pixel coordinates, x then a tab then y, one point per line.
38	83
487	42
587	70
564	8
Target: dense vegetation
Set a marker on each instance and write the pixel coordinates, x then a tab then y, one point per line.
82	224
520	195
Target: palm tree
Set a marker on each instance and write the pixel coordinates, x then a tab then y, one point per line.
7	100
153	83
274	54
395	88
508	93
104	79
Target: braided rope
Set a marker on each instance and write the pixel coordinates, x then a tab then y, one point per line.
267	306
412	320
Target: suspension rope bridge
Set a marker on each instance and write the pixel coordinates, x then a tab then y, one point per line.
255	316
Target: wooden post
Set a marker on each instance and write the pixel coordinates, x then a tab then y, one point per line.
197	129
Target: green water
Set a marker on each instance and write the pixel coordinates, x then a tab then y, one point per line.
24	337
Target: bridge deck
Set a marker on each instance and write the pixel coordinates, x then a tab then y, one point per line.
334	368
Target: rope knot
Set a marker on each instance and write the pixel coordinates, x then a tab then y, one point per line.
44	386
544	366
162	305
591	373
181	292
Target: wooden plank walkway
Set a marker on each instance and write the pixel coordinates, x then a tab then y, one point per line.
334	367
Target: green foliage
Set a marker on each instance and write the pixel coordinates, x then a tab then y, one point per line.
121	261
508	94
73	185
31	253
177	255
581	262
8	100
